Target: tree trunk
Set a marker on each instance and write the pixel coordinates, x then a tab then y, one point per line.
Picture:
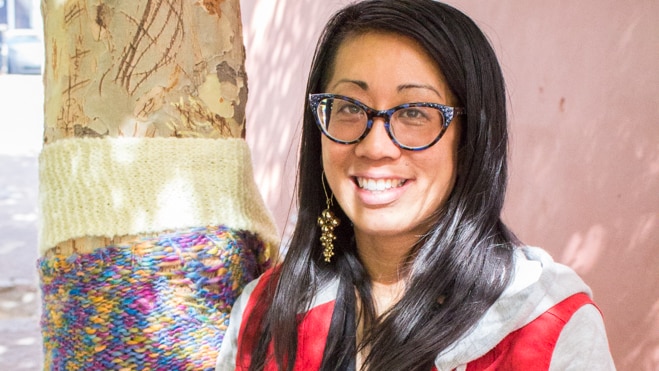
151	221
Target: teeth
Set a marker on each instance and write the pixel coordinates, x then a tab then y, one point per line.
379	184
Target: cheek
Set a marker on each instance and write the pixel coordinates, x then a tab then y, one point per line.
454	136
326	156
331	158
445	162
337	160
452	167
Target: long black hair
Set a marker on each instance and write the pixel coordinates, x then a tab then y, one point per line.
463	263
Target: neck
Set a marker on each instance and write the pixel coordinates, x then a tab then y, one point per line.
384	260
384	257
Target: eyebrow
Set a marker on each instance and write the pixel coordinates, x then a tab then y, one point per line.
364	86
419	86
361	84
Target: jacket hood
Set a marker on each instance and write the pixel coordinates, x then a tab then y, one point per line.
538	284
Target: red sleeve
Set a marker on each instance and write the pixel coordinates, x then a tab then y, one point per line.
313	328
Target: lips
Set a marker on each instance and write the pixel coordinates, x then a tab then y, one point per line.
378	185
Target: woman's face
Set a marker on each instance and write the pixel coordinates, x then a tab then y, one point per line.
403	188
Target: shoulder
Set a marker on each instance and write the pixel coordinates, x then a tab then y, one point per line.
583	343
568	336
538	287
226	359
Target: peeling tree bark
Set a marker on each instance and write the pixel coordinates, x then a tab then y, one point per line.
144	68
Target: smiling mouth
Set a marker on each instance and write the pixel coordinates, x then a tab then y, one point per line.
377	185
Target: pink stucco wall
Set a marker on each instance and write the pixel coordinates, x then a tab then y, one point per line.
583	82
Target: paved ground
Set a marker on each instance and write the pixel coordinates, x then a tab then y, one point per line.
21	123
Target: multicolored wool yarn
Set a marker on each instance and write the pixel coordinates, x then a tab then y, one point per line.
159	304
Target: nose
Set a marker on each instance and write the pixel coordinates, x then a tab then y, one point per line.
377	144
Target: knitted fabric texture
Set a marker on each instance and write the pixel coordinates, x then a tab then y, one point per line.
160	304
110	187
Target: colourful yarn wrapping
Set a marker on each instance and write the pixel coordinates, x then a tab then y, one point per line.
160	304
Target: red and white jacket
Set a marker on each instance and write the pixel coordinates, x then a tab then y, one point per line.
544	320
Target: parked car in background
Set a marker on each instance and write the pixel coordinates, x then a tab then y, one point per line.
22	51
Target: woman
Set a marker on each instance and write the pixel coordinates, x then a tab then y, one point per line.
409	266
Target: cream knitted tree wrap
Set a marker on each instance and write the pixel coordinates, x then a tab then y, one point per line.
110	187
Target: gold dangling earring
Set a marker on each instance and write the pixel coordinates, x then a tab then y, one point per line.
327	222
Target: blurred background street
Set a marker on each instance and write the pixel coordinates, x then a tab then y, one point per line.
21	126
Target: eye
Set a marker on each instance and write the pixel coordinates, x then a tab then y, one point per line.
347	108
412	113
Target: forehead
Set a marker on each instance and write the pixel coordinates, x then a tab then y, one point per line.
378	46
383	61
